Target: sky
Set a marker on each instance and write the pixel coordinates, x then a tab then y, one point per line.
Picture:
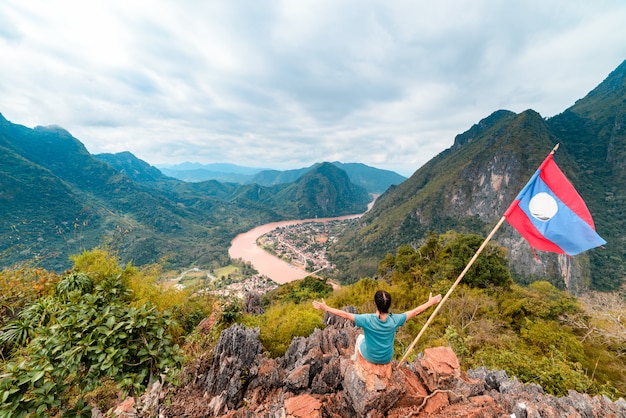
285	84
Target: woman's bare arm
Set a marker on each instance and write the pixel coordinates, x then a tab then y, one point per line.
343	314
432	300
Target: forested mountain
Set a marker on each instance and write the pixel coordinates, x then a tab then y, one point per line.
136	169
57	199
469	186
374	180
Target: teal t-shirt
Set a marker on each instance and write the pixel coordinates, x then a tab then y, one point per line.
377	346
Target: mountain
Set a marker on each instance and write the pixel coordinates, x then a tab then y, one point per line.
469	186
136	169
223	172
57	199
322	191
374	180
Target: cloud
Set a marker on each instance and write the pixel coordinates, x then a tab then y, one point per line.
285	84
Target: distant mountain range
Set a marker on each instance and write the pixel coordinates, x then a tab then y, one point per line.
468	187
57	199
374	180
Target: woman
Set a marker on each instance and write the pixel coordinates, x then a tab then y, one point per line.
379	329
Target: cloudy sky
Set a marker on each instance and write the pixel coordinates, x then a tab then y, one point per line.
284	84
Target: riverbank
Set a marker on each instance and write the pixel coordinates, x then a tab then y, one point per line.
244	247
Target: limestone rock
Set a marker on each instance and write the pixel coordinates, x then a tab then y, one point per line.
252	303
317	378
370	388
234	360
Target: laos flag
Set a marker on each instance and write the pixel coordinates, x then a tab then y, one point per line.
551	215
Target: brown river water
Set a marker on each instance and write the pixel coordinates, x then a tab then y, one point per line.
244	247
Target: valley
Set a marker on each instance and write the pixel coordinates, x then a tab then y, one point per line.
269	255
282	251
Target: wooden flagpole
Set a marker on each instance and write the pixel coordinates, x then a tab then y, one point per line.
458	280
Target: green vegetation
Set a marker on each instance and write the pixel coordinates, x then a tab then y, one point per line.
72	342
99	323
539	334
58	199
288	314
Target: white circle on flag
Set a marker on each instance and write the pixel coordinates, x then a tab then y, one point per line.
543	207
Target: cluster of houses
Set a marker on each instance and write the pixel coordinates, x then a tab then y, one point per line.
303	245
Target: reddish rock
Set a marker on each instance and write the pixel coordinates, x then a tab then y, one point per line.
435	402
316	378
298	379
414	390
369	394
303	406
442	361
375	376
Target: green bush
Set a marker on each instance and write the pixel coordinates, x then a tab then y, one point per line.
298	291
281	323
89	336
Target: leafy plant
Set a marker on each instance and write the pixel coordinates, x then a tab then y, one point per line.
91	336
74	282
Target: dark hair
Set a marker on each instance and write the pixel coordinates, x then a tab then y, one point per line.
382	299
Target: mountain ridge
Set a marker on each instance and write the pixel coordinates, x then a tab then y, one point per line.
468	186
374	180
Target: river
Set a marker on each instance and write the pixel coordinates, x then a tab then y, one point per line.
244	247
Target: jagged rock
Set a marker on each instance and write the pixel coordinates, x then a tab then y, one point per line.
252	303
337	321
370	388
528	400
233	359
317	378
268	382
414	390
442	362
298	379
151	398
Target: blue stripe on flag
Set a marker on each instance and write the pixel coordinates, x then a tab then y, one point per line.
565	228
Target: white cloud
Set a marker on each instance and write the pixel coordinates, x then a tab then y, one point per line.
285	84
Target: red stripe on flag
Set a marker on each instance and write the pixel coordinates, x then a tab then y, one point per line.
518	220
554	178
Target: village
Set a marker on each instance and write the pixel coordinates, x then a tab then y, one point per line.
301	245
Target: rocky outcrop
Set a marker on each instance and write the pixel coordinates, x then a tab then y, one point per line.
317	377
252	303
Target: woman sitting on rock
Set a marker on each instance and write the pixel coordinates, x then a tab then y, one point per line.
379	329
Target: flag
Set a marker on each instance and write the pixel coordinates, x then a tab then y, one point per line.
551	215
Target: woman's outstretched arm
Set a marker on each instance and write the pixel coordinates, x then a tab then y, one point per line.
343	314
432	300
